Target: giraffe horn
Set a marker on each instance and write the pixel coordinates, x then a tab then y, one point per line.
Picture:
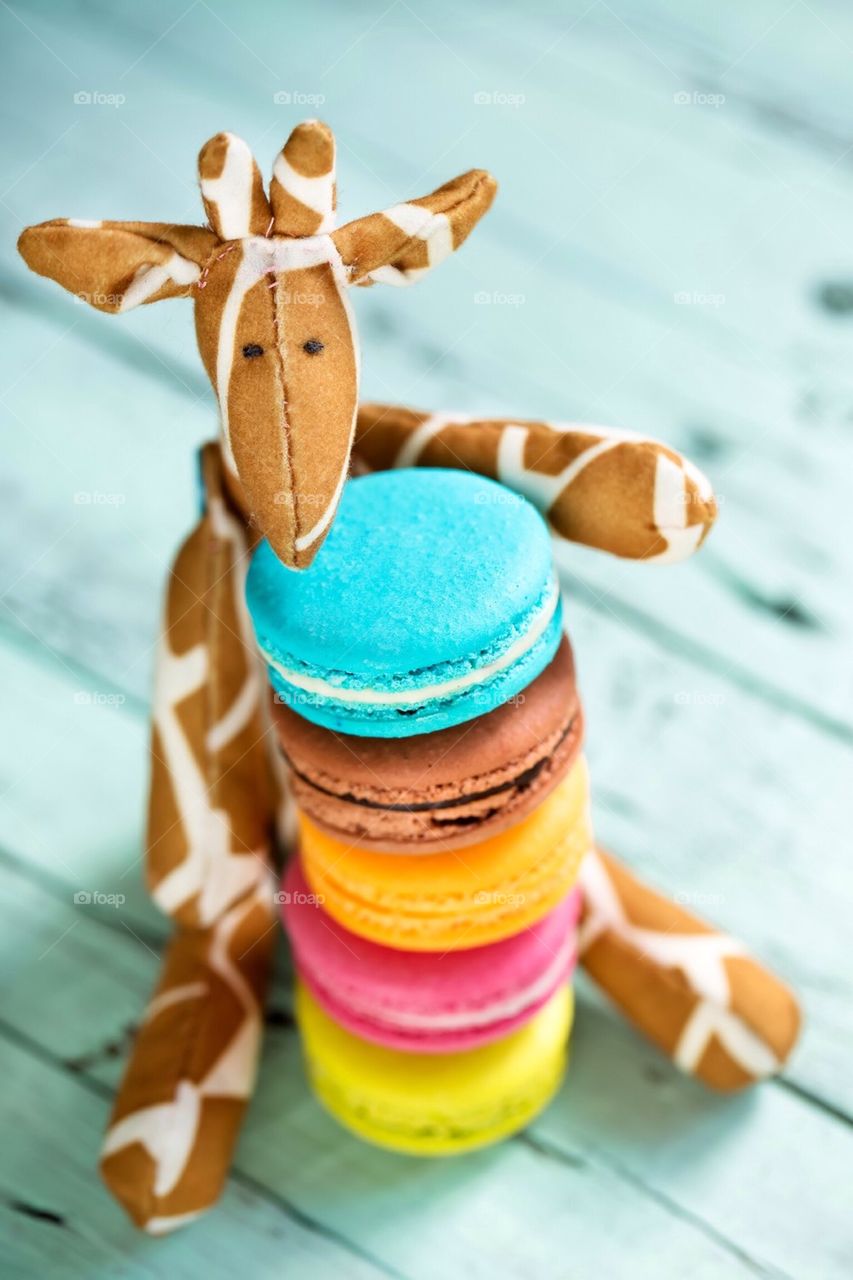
302	191
232	188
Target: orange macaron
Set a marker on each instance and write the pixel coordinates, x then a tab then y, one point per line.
461	898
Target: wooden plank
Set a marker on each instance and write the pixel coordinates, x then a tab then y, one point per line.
73	786
56	1220
532	1205
714	1156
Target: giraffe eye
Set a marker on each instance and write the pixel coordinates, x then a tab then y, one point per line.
252	349
313	346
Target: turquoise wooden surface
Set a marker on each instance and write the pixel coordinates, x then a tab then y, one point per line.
658	258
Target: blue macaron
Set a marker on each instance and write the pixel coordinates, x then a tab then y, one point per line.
432	601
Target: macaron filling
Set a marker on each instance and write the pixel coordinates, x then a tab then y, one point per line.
512	1007
479	682
519	782
440	790
424	1002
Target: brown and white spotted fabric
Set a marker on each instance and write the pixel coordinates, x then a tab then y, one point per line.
270	278
211	800
210	836
116	266
605	488
302	191
696	992
180	1105
232	189
401	244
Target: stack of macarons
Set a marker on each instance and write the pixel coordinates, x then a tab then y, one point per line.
425	706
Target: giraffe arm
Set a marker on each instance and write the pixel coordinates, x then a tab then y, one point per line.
192	1067
695	992
610	489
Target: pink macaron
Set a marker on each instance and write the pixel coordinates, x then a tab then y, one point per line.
425	1002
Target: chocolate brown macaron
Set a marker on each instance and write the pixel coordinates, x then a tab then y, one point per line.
441	790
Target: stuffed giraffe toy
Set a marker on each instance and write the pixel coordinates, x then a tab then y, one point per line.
270	276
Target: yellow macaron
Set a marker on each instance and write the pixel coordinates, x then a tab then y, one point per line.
462	898
436	1104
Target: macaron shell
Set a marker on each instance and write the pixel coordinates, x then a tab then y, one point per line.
442	1104
452	901
424	1002
426	712
388	658
443	790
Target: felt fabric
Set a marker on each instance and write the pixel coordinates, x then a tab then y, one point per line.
270	279
603	487
116	266
302	191
286	412
232	189
696	992
211	800
180	1104
403	243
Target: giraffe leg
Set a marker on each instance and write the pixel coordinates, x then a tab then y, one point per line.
610	489
179	1106
696	992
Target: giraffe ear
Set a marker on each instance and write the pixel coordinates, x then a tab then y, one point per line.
401	244
115	266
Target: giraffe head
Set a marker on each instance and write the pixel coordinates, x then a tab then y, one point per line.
269	276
